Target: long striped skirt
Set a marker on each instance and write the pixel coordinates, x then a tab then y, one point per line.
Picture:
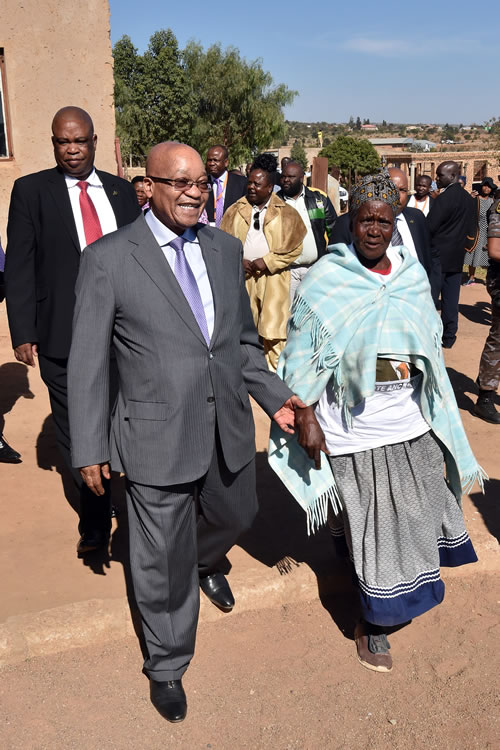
401	523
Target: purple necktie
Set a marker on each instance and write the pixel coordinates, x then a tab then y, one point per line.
187	283
219	204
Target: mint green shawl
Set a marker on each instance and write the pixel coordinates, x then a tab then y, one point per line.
342	319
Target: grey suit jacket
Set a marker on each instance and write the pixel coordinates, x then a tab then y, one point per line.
173	389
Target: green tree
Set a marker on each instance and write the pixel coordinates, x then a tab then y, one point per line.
298	154
354	156
152	97
358	123
235	102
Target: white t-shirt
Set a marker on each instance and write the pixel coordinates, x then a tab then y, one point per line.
390	415
423	206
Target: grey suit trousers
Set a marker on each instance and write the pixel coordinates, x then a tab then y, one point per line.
172	542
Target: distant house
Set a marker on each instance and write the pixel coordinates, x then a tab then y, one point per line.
369	126
399	144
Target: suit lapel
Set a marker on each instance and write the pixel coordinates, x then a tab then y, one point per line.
150	257
114	193
57	187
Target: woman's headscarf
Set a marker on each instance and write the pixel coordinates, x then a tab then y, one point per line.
374	187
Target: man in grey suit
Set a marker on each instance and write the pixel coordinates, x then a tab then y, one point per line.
169	295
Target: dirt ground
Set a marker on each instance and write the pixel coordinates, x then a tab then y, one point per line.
281	676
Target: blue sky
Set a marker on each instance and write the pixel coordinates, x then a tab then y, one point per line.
402	62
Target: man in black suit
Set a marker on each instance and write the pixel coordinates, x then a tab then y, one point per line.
452	219
227	188
410	229
53	215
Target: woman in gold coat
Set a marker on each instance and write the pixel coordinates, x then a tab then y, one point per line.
272	233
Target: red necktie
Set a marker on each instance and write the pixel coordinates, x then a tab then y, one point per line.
91	223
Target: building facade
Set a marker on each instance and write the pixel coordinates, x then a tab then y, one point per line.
52	54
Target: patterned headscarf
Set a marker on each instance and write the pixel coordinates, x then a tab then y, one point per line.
374	187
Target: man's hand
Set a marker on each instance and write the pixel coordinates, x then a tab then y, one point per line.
311	436
91	475
285	417
258	267
26	353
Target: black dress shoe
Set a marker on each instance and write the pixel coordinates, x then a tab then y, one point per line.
217	589
7	454
485	407
92	540
169	699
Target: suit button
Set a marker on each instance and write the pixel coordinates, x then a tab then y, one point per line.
210	356
211	399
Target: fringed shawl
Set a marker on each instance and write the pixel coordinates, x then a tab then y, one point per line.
342	319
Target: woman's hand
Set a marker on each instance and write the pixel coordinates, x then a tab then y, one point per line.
311	436
247	267
259	267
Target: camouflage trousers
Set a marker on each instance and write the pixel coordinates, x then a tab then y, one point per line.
489	366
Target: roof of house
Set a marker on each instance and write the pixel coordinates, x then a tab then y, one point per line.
390	141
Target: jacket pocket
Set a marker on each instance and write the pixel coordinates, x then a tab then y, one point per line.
151	410
243	394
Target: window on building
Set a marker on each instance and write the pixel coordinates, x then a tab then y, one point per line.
5	141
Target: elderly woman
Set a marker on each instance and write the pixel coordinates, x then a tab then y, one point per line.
364	354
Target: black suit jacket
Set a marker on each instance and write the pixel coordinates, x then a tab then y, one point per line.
452	219
419	230
236	188
43	256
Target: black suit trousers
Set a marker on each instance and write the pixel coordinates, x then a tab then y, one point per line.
95	512
450	294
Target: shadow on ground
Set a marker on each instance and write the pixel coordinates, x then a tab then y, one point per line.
478	313
488	506
14	384
279	537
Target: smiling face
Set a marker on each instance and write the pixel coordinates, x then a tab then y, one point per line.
177	209
372	229
74	142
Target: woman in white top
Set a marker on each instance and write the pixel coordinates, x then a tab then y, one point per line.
364	353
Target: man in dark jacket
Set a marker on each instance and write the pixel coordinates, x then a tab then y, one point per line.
227	187
53	215
317	213
451	220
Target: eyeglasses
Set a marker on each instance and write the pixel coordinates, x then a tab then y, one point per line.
204	186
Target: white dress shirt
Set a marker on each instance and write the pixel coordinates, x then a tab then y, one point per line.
256	243
97	194
192	250
404	231
309	252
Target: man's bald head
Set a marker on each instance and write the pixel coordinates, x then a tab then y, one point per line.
401	181
447	173
177	208
74	142
72	114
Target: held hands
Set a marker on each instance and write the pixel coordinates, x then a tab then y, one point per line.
91	475
26	353
254	267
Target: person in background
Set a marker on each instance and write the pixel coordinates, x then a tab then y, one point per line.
363	355
318	215
227	187
452	225
142	199
422	198
462	180
478	258
272	234
54	214
7	454
489	366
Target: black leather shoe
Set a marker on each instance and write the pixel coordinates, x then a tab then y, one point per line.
92	540
7	454
217	589
485	407
169	699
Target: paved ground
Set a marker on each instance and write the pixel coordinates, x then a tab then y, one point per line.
280	671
